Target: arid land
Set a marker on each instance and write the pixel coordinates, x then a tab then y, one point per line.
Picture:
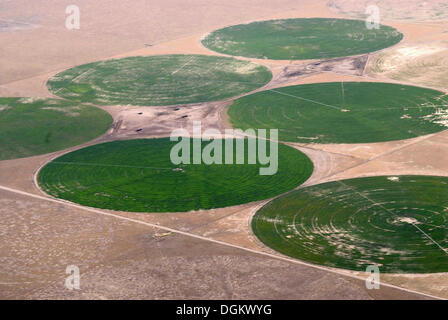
195	255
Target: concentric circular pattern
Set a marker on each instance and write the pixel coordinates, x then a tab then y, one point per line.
397	223
424	64
406	10
349	112
138	176
32	126
159	80
294	39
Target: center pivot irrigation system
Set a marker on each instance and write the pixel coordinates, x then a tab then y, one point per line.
396	222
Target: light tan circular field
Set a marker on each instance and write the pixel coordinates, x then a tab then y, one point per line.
424	64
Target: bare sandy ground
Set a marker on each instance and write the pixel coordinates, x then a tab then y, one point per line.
42	238
421	58
421	63
408	10
110	28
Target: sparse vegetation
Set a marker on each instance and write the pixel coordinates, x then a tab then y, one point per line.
406	10
423	64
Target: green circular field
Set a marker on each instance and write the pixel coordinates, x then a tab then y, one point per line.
296	39
32	126
349	112
138	176
398	223
159	80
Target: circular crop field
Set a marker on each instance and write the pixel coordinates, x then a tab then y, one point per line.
349	112
138	176
295	39
159	80
398	223
31	126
